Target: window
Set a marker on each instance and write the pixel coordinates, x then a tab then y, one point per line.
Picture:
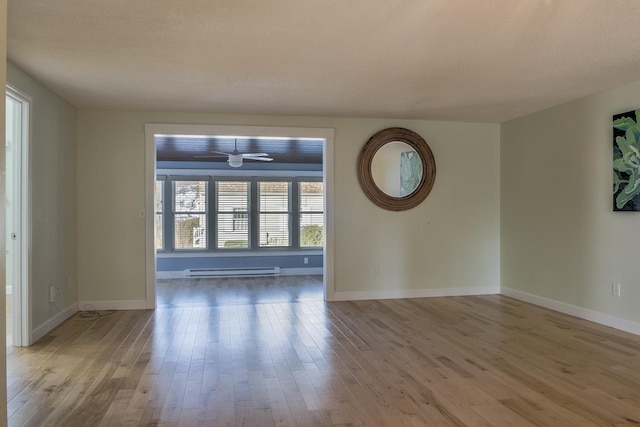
311	210
217	214
232	203
190	214
159	224
274	215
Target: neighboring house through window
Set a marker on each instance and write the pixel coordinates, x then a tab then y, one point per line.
311	214
190	214
275	214
232	201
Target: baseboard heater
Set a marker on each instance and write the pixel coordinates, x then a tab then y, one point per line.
232	272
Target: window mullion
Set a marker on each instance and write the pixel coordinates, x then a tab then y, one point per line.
294	215
254	206
212	214
162	181
168	215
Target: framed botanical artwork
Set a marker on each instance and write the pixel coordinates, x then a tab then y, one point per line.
626	161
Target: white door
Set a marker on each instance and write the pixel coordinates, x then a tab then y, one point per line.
17	209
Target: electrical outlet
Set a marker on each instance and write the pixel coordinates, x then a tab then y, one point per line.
376	271
306	260
615	289
142	214
52	293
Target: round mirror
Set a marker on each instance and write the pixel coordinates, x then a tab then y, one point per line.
396	169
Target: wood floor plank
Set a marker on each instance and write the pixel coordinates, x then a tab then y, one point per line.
245	352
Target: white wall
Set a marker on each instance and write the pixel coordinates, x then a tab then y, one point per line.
560	239
449	244
54	208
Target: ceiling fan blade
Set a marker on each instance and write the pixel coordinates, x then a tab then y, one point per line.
254	155
264	159
210	157
221	152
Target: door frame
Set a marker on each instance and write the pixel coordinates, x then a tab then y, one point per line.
153	129
22	211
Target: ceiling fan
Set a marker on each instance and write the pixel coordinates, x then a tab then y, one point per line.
235	158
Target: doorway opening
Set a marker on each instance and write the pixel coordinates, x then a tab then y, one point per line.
219	236
17	224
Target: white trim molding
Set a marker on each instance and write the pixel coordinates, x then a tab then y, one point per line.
574	310
170	274
243	172
415	293
112	305
22	324
50	324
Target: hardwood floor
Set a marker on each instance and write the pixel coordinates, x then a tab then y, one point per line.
237	290
9	321
458	361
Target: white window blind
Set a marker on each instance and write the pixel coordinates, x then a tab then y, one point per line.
190	214
233	214
311	214
274	215
245	213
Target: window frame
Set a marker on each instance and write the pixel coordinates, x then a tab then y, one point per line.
162	213
299	212
253	213
288	212
213	217
172	180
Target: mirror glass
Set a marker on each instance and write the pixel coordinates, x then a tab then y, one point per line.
396	169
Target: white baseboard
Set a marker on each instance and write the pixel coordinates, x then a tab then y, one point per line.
283	272
112	305
414	293
309	271
574	310
50	324
170	274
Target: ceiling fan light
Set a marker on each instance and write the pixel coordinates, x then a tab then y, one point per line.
235	161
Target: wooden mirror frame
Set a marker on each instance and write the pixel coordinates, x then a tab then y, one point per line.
377	196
